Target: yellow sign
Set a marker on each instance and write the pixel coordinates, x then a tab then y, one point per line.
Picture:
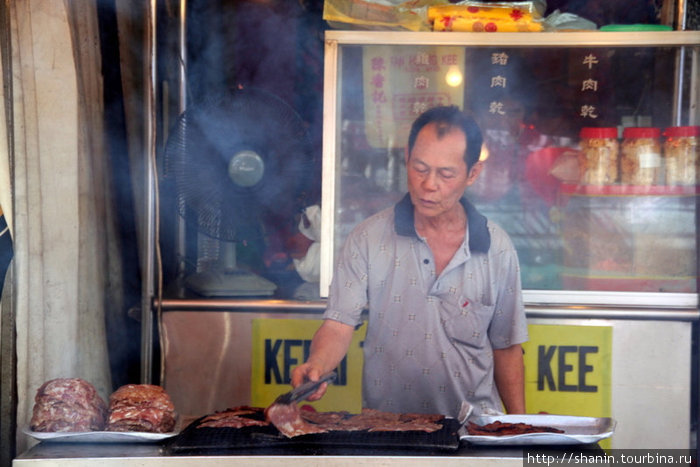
567	367
568	370
400	83
279	345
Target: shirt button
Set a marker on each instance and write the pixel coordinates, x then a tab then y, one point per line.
426	261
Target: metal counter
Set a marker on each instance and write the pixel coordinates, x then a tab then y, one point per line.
145	455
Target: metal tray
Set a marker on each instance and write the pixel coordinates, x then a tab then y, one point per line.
99	436
577	430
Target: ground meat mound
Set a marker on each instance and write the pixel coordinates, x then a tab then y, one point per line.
141	407
68	405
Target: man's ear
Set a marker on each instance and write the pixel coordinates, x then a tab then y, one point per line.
405	155
474	172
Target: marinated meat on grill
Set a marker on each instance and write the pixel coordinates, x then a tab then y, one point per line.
141	407
287	419
295	422
236	417
375	420
67	405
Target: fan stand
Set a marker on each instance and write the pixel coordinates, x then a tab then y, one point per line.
229	280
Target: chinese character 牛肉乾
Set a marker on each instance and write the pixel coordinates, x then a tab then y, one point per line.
589	85
498	81
496	108
419	107
590	60
588	111
421	82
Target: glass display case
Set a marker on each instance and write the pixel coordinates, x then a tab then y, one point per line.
547	104
582	137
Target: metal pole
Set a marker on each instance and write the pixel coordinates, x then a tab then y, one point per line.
680	65
180	232
149	224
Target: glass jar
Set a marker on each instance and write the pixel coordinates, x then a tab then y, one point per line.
682	155
640	163
597	160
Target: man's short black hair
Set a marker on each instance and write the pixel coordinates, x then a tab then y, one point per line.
449	117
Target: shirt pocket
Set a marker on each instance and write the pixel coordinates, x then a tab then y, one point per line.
466	321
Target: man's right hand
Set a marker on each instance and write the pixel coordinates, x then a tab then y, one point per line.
328	347
306	372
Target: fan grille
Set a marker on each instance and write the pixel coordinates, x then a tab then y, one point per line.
205	140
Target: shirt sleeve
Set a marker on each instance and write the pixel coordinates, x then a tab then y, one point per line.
348	290
509	325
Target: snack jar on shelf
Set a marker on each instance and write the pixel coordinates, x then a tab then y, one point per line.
599	156
682	155
640	163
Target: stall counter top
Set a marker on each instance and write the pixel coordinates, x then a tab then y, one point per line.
50	454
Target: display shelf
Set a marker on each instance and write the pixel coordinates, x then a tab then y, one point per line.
628	190
518	39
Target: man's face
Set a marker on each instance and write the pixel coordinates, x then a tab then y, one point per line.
437	172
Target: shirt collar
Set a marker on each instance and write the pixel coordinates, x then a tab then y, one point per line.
479	237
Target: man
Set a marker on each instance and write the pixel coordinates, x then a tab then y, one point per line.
442	286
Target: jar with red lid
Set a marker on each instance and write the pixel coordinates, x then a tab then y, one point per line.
682	155
640	163
598	157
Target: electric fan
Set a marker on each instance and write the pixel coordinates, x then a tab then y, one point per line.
237	160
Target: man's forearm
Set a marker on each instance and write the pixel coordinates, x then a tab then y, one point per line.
329	345
509	375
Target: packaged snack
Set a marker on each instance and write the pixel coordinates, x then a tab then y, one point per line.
682	155
599	156
640	163
485	17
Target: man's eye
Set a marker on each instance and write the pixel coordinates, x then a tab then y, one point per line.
420	169
447	174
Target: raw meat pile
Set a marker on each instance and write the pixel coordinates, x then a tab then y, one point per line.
68	404
141	407
291	421
74	405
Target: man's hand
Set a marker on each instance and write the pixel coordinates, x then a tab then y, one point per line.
328	347
305	372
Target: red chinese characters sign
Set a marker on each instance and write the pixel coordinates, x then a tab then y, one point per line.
400	84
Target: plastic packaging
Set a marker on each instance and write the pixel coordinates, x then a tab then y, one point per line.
640	163
485	17
377	14
598	158
682	155
413	15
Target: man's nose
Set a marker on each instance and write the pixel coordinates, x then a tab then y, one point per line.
430	181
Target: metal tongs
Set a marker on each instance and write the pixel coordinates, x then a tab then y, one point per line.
303	391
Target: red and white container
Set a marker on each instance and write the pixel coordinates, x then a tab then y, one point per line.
682	155
640	163
598	158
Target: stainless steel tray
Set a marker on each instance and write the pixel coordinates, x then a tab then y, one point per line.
99	436
577	430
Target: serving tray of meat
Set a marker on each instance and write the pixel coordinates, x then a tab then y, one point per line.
247	427
536	429
70	410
